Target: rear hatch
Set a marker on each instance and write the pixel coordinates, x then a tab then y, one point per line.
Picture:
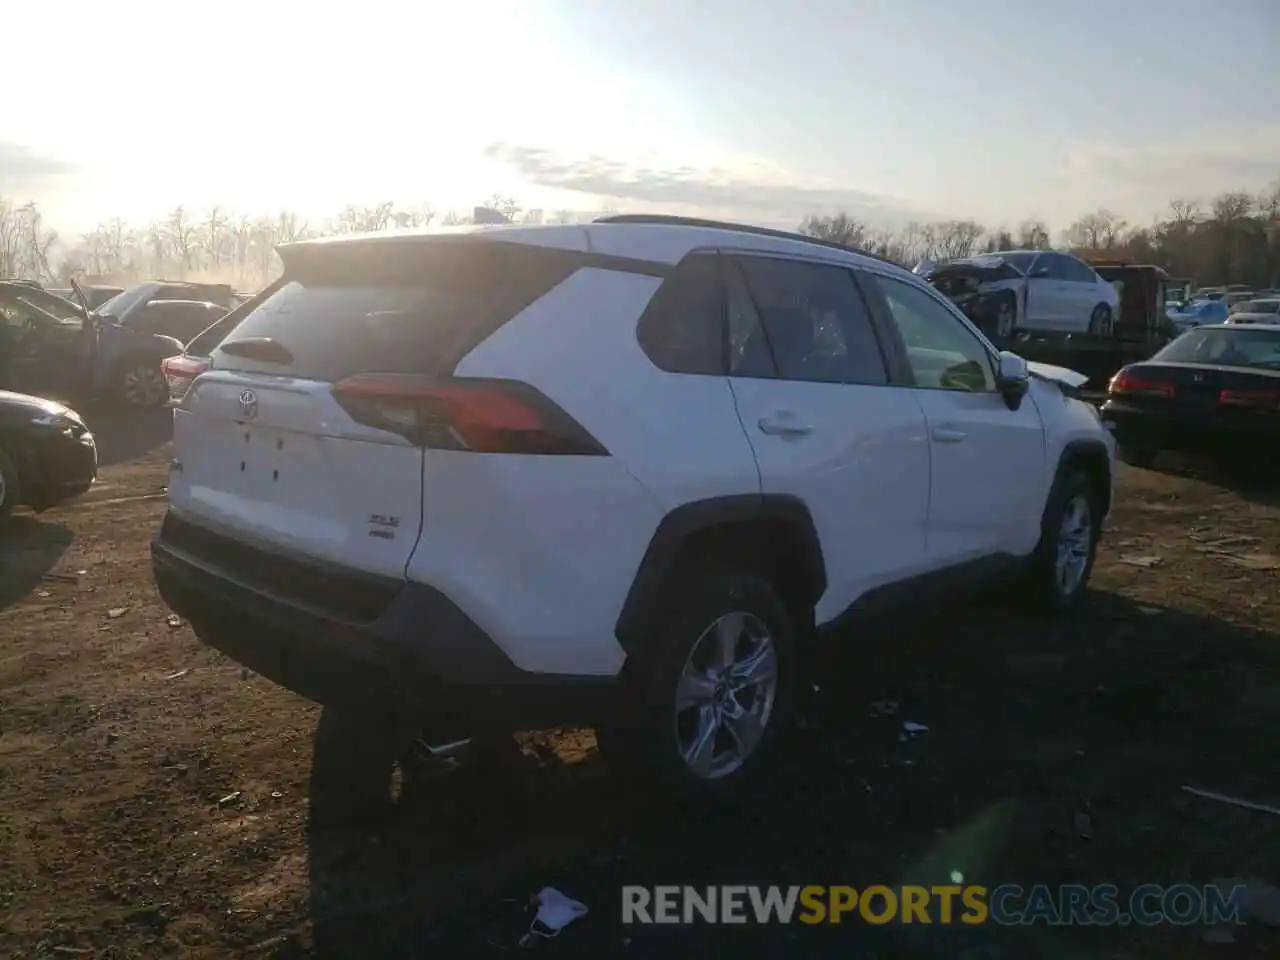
280	443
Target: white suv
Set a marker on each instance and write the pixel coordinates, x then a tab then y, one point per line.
608	474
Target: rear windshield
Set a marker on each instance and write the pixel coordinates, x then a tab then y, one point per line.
124	301
1238	347
341	311
1020	261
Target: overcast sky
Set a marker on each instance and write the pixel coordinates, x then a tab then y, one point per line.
757	109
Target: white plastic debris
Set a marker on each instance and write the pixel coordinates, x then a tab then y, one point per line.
555	912
914	729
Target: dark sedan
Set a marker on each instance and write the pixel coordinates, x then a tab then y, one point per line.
1214	390
47	454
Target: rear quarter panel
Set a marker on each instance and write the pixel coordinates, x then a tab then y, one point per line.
541	551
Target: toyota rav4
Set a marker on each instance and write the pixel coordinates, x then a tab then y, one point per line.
612	474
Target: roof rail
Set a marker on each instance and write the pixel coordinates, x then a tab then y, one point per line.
662	219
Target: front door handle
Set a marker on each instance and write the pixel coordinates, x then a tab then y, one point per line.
783	428
948	435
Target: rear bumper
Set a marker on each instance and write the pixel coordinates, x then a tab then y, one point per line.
421	654
1228	433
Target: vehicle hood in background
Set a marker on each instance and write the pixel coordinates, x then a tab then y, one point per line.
1061	375
28	405
976	268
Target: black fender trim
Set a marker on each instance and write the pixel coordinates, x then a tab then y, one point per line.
1085	452
686	521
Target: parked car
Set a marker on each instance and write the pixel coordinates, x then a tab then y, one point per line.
1215	389
1262	306
1028	290
620	474
1200	312
1209	293
95	295
1234	300
122	305
180	319
44	350
47	454
53	351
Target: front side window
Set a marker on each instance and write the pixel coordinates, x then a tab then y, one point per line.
942	352
1078	271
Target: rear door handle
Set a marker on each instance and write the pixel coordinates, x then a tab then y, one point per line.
783	428
948	435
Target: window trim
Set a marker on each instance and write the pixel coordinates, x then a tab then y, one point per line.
724	266
647	313
905	376
878	332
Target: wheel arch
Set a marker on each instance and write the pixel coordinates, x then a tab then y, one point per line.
1091	458
773	534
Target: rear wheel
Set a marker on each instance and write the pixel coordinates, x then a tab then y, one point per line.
1100	320
1006	318
142	385
707	704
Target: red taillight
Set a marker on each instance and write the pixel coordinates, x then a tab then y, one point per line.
180	372
1128	383
1265	399
482	416
183	366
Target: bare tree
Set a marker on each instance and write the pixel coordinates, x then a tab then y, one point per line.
1098	231
1033	234
415	217
181	235
840	228
505	205
214	239
958	238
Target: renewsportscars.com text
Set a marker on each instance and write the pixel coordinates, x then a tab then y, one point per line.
1006	905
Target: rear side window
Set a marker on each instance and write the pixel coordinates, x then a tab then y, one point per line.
818	326
375	307
682	329
1078	271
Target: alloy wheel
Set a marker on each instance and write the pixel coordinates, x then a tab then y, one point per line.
1005	321
1075	537
144	387
725	695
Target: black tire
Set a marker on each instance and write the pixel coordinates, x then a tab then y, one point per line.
140	385
1100	320
1043	588
1141	455
10	485
368	767
1006	321
641	741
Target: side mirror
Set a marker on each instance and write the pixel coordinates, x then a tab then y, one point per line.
1013	378
1039	273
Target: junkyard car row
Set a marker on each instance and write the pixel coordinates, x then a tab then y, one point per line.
454	484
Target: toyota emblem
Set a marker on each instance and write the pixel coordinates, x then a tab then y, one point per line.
248	404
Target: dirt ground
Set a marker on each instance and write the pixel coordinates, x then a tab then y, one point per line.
154	797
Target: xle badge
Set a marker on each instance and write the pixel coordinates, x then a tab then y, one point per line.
383	527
